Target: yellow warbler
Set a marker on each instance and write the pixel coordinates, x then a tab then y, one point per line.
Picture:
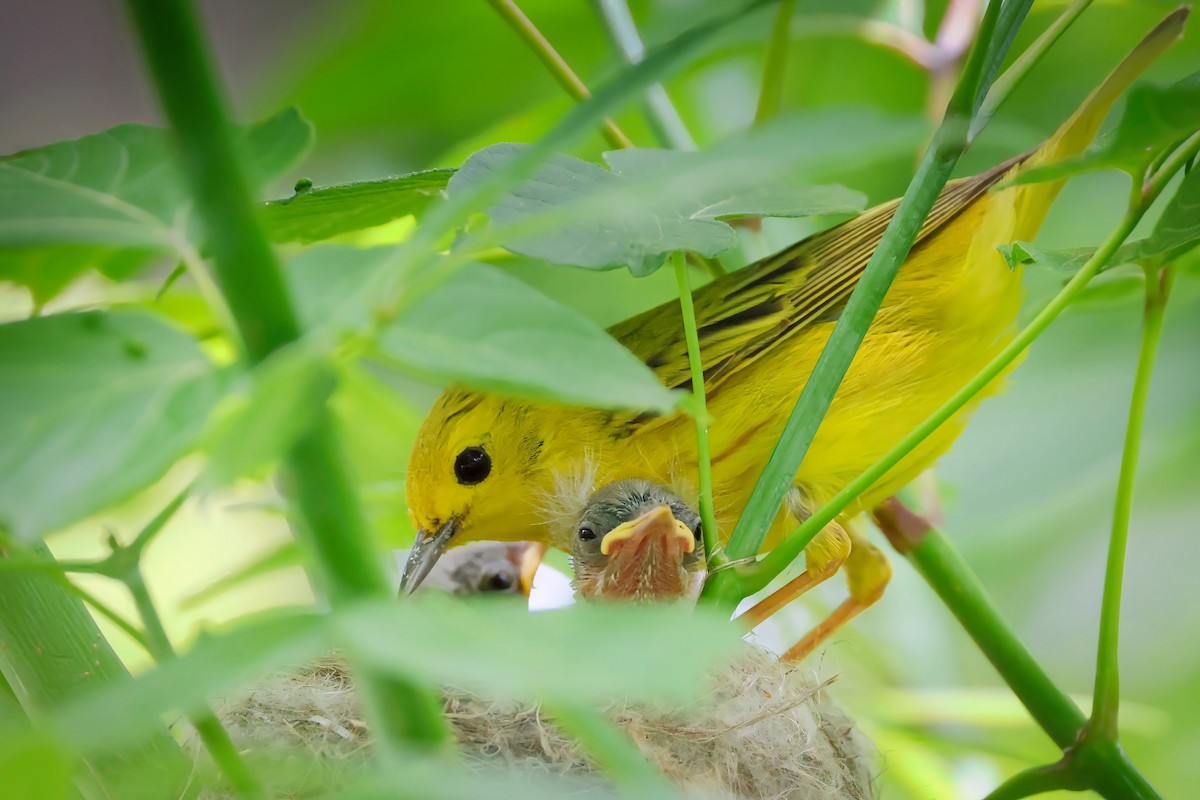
490	467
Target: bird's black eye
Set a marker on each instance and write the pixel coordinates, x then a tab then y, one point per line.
586	534
698	532
472	466
498	582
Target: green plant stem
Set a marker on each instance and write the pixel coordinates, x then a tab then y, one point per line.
1036	780
212	733
776	479
779	558
330	520
664	118
1098	764
559	68
1020	69
770	96
611	749
104	610
708	514
51	652
1107	698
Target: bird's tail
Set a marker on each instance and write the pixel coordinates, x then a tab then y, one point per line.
1077	132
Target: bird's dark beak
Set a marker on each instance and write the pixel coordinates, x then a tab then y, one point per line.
426	550
646	557
526	557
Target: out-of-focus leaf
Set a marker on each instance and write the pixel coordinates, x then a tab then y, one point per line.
93	408
484	329
314	215
1154	118
378	428
582	654
119	715
113	200
418	778
628	222
35	767
287	554
284	395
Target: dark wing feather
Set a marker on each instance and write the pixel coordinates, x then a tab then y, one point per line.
742	315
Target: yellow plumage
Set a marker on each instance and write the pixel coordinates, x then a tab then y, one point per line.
951	307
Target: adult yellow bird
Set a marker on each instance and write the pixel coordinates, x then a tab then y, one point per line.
491	467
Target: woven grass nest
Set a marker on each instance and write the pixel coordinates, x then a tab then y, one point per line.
764	730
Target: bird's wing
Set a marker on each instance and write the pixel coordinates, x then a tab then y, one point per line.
744	314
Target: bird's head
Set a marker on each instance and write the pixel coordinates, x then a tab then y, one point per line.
636	540
487	568
472	475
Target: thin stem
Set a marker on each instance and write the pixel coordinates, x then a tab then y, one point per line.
708	514
783	555
155	526
212	733
770	96
1036	780
332	526
559	68
1107	697
664	118
1020	69
611	749
106	611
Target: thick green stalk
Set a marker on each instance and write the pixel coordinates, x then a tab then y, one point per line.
940	158
212	733
770	96
1107	698
778	559
708	514
1097	764
52	652
556	64
251	282
665	120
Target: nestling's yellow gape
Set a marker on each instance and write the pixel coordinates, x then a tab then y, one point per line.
487	467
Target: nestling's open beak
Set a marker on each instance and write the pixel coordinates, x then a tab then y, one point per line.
526	557
646	557
426	550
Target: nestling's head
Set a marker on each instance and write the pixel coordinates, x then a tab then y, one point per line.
637	540
472	476
492	568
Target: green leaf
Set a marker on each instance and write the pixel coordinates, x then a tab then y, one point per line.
484	329
282	400
94	407
1178	229
652	203
120	715
314	215
113	201
1066	262
1154	119
583	654
424	778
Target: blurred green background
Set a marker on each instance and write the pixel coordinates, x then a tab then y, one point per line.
1026	492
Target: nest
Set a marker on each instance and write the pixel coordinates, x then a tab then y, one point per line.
765	730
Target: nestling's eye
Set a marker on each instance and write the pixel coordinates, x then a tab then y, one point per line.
698	532
587	534
498	582
472	466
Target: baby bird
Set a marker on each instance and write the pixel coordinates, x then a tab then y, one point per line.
636	540
484	568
